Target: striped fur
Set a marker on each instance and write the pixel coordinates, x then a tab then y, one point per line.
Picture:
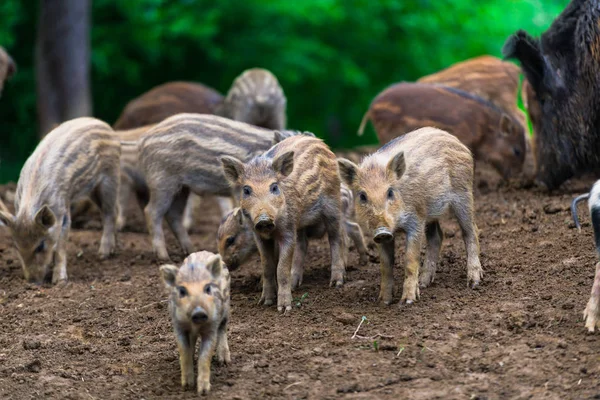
199	304
490	133
166	100
78	158
285	192
408	185
7	67
180	155
486	76
236	243
256	98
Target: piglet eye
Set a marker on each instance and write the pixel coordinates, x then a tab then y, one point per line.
40	247
517	151
182	291
247	190
208	289
390	194
362	197
274	189
229	241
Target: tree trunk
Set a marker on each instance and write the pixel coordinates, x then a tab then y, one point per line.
63	62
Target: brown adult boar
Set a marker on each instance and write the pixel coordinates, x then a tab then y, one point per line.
7	67
292	187
236	244
486	76
562	68
167	100
180	155
256	98
408	185
489	132
199	305
78	158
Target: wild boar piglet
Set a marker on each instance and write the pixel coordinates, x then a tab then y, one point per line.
408	185
293	187
78	158
181	155
199	306
236	243
592	310
255	97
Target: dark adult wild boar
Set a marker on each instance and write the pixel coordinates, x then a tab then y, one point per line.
486	76
408	185
7	67
292	187
166	100
489	132
181	155
256	98
562	68
79	158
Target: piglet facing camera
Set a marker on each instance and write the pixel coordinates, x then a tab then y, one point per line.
199	306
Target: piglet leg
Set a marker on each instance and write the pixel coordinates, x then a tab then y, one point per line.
410	291
386	265
59	274
299	257
284	272
592	311
207	348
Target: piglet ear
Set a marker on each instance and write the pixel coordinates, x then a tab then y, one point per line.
45	217
505	125
396	166
237	214
278	136
7	219
233	169
284	164
214	265
348	171
169	274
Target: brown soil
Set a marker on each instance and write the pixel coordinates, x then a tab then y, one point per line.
521	335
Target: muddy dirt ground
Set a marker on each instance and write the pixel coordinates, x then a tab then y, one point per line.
521	335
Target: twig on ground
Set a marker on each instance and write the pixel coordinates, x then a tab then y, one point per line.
363	319
379	335
290	385
139	308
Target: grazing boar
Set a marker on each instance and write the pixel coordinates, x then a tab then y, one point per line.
236	244
199	305
256	98
284	192
7	67
167	100
78	158
489	132
408	185
486	76
180	155
592	311
562	69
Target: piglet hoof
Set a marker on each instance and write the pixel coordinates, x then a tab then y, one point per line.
591	316
265	302
386	300
60	283
203	387
426	279
337	279
284	310
223	356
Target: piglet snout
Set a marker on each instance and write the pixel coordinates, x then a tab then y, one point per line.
199	315
264	224
382	235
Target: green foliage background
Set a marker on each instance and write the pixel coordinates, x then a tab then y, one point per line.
331	56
